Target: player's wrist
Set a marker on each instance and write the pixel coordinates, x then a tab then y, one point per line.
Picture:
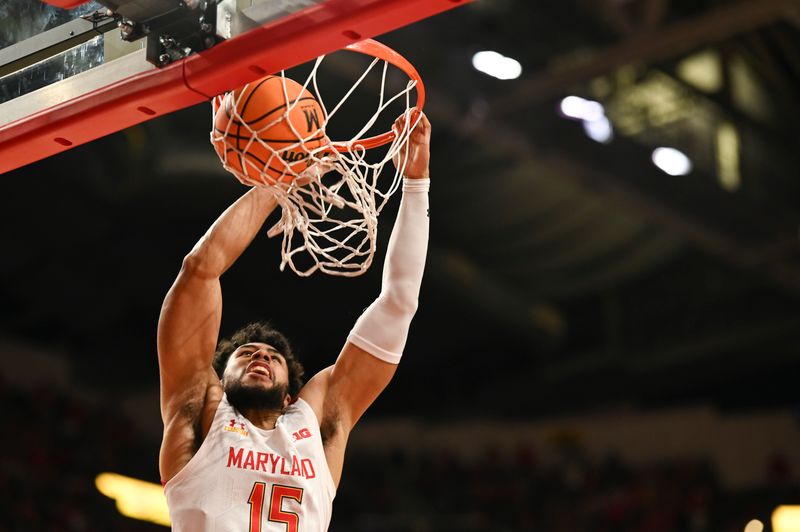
416	184
417	173
417	170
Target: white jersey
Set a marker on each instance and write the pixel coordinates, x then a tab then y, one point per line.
246	479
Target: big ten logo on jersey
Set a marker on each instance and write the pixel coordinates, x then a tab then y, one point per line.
301	435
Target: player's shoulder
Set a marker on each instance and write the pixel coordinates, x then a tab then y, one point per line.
300	408
315	390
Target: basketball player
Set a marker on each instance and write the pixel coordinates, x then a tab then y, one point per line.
246	447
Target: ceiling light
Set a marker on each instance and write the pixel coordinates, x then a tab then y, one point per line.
754	526
703	70
582	109
135	498
599	130
496	65
728	157
672	161
786	519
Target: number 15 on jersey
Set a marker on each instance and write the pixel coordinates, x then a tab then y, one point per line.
275	511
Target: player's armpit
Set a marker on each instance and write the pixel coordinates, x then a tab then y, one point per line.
340	394
187	417
346	389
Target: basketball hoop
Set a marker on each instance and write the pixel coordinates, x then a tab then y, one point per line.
330	202
381	51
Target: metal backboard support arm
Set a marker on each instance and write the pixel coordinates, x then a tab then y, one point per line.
51	42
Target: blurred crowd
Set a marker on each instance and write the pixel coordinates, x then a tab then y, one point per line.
513	492
54	445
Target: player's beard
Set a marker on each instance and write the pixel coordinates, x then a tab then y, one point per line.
244	397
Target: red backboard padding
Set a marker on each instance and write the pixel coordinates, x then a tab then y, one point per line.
65	4
280	44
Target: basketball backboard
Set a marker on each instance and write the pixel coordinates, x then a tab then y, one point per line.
85	73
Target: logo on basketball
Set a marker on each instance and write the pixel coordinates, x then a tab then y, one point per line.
312	119
294	156
266	131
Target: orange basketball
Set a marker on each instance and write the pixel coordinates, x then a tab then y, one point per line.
261	136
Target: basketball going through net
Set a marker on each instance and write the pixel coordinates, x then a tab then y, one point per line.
273	133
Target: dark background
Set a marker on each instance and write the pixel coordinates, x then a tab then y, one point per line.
564	275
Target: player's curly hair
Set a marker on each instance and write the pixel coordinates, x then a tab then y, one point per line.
265	333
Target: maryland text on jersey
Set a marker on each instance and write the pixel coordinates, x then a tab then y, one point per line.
270	463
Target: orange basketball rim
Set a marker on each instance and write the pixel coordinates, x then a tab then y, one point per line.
381	51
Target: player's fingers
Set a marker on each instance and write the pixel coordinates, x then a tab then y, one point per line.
422	125
400	121
425	122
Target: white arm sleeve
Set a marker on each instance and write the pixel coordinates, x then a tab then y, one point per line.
383	328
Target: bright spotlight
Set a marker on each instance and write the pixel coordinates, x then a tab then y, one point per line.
497	65
599	130
135	498
672	161
754	526
786	519
582	109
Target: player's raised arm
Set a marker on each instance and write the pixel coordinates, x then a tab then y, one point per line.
190	316
342	393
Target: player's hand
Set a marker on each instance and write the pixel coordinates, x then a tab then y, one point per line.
418	147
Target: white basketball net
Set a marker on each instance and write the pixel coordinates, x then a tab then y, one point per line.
329	212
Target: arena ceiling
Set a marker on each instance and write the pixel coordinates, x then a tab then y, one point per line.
563	273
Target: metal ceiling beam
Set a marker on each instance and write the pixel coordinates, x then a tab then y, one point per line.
516	144
537	320
692	229
713	26
789	48
654	13
612	14
758	55
715	346
722	101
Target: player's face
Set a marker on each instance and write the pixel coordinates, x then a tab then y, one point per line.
257	365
